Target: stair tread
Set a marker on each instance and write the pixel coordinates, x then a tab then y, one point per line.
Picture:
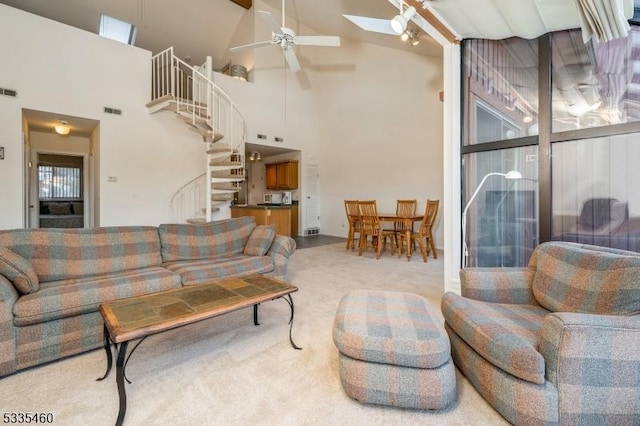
159	100
226	163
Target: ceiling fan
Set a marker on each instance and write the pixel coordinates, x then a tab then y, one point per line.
395	26
286	38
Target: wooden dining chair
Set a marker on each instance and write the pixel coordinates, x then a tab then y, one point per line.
403	208
353	218
424	237
370	227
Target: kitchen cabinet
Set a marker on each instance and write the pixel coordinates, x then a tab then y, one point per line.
267	215
294	220
283	175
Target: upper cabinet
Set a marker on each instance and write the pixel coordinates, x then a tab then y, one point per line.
282	175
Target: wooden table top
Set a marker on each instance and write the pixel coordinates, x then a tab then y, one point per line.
136	317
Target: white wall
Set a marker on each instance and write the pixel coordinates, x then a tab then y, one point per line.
368	116
65	70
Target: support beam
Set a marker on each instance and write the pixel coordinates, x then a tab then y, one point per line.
244	3
428	16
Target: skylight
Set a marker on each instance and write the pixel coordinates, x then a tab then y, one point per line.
117	30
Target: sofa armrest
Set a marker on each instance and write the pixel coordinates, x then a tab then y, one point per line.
498	285
8	298
596	357
281	249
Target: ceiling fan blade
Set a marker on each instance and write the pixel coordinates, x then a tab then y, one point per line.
291	59
252	45
376	25
329	41
271	21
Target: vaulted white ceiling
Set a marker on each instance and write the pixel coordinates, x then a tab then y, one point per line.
197	28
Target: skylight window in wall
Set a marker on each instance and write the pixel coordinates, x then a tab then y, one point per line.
117	30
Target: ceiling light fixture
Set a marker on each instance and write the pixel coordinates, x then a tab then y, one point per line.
62	128
399	22
255	156
405	36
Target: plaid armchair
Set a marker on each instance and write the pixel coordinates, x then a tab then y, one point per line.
557	342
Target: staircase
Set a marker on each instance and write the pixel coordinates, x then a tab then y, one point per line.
190	93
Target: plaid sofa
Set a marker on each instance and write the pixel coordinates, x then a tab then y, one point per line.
557	342
53	280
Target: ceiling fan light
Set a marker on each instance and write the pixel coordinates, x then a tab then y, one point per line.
62	128
405	36
415	41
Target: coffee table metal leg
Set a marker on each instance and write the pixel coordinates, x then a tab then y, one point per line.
289	300
107	349
120	364
255	314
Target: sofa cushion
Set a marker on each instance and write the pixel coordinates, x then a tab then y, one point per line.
61	299
206	241
260	240
62	254
19	271
586	279
389	327
503	334
202	270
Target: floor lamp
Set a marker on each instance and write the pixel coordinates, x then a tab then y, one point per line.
512	175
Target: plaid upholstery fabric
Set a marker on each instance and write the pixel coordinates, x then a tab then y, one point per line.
520	402
572	277
392	385
51	340
19	271
601	384
390	328
68	298
260	240
206	241
505	335
200	271
281	250
60	254
498	285
8	296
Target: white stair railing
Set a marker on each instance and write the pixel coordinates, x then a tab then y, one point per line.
206	107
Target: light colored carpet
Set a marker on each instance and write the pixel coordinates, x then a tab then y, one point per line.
228	371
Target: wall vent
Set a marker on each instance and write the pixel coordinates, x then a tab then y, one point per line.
8	92
277	139
261	136
110	110
312	231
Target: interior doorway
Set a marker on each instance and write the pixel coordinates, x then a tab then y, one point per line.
61	184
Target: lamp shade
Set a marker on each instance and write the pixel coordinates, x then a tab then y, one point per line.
399	22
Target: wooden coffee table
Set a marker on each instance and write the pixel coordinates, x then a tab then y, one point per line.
143	316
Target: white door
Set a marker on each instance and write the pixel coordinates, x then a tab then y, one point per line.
312	205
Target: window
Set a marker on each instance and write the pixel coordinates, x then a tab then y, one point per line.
594	84
117	30
501	89
502	221
59	182
596	196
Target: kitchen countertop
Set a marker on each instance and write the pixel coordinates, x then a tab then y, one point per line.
262	206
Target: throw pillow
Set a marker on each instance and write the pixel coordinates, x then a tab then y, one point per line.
260	240
19	271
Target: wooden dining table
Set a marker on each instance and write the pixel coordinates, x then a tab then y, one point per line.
407	220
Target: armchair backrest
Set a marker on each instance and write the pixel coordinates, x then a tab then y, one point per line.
571	277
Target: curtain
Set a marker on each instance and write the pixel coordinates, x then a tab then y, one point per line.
604	20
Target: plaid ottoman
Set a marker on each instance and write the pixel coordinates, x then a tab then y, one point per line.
393	350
